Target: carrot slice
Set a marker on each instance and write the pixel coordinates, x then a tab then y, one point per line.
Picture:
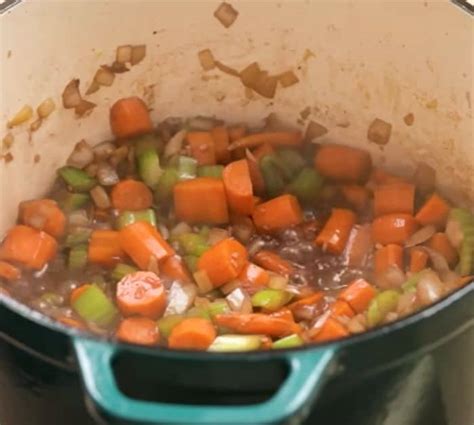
73	323
343	163
130	117
330	331
142	242
30	247
43	214
9	272
390	255
221	144
276	138
174	268
138	330
441	243
104	248
271	261
263	150
77	292
335	233
418	260
394	198
238	187
309	300
341	308
224	261
393	228
131	195
253	278
257	323
358	295
284	314
141	293
194	333
435	211
357	196
278	213
201	200
202	147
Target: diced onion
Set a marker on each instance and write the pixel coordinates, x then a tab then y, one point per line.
78	218
81	156
107	175
288	79
357	324
429	288
92	169
100	198
226	14
406	303
203	282
229	287
239	301
104	150
277	281
123	54
71	95
23	115
393	277
454	232
420	236
315	130
84	108
118	156
163	231
138	54
438	261
173	147
216	234
180	298
180	229
206	59
104	76
46	108
379	132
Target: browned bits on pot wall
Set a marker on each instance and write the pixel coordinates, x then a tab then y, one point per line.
409	119
379	132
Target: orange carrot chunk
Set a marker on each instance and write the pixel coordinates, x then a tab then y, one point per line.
263	150
441	243
224	261
77	292
236	133
138	330
418	260
131	195
238	187
341	308
393	228
343	163
394	198
271	261
387	256
43	214
253	278
174	268
142	242
104	248
309	300
435	211
221	144
357	196
130	117
9	272
278	213
30	247
284	314
194	333
202	147
330	330
335	233
141	293
257	323
201	200
276	138
358	295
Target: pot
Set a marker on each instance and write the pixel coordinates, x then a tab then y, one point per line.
394	69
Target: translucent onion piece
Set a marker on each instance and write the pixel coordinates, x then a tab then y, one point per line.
180	298
203	282
391	278
438	260
107	175
81	156
239	301
216	235
173	147
429	288
100	197
421	236
103	150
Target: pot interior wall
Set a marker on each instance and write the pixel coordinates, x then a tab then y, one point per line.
356	61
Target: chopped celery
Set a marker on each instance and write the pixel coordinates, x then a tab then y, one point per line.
78	180
147	142
289	341
198	312
121	270
191	262
149	168
381	305
94	306
193	243
167	323
271	299
74	201
412	281
80	235
165	186
77	257
214	171
292	161
232	343
274	183
465	219
52	299
187	167
130	217
218	307
306	185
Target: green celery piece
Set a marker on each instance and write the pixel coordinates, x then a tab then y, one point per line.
381	305
466	252
412	281
121	270
198	312
147	142
129	217
274	183
235	343
307	185
218	307
292	160
149	168
74	201
191	262
78	257
193	243
271	299
165	186
78	236
77	179
187	167
214	171
94	306
289	341
166	324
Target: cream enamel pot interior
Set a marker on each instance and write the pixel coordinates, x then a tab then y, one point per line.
356	61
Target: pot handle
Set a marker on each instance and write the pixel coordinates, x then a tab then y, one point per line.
306	376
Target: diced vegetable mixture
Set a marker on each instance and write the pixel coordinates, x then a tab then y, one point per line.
204	236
